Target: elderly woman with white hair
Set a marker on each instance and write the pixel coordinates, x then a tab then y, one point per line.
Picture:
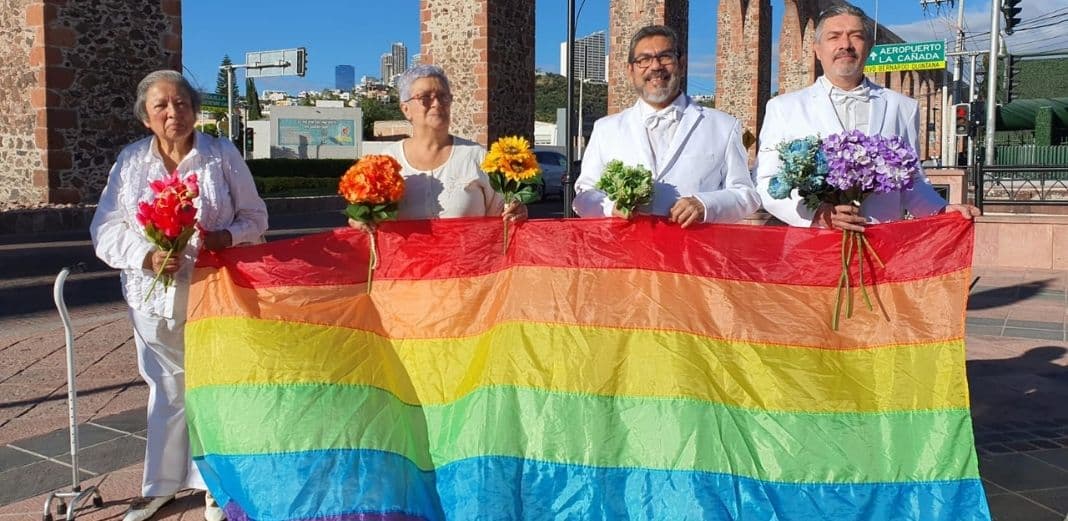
229	211
442	172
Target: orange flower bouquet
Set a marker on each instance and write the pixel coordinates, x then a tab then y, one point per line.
373	186
513	172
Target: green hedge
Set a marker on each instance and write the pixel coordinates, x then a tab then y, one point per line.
268	168
294	186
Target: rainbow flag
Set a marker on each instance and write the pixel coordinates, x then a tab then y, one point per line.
602	369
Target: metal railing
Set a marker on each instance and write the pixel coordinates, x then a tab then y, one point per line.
1020	185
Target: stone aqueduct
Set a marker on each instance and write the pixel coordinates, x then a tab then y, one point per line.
68	71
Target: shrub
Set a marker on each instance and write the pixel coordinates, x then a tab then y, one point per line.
269	168
295	186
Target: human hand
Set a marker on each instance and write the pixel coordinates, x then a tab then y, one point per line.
362	226
687	211
217	240
514	211
968	211
844	217
158	262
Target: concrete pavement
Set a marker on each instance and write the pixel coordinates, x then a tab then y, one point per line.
1017	364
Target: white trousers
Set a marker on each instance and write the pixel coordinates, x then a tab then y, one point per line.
161	362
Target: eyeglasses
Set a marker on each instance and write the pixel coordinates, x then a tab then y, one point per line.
428	98
664	58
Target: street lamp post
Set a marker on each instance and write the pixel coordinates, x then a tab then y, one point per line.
569	147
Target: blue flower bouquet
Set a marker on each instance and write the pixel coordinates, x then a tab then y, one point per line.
841	169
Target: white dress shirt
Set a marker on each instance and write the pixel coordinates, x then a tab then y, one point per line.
661	125
228	201
853	107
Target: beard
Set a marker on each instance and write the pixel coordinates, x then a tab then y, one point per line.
658	95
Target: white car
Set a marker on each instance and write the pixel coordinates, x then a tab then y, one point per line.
553	167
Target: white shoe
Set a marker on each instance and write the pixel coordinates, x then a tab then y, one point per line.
143	508
212	512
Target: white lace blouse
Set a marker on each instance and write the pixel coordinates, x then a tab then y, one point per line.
457	188
228	201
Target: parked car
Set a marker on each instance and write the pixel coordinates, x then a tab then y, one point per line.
553	167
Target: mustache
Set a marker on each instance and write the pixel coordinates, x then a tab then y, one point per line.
846	52
661	74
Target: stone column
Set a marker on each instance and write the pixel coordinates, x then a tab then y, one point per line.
798	67
487	49
625	18
743	62
80	63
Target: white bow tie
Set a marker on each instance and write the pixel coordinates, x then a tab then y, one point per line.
665	116
860	94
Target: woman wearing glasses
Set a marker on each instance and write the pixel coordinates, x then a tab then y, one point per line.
442	172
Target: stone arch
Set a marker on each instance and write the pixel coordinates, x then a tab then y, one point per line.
743	61
70	70
798	67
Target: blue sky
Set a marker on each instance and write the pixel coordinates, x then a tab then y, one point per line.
358	32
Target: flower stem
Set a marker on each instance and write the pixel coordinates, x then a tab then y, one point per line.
372	260
158	275
846	261
861	239
504	250
838	290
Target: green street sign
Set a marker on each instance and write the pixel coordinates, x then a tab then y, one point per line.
211	100
907	56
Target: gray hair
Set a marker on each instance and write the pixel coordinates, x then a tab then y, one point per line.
849	9
165	75
654	30
410	76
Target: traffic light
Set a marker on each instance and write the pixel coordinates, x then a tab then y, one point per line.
302	61
962	116
1010	12
1012	78
249	138
978	114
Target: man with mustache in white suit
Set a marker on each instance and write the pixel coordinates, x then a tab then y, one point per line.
842	99
700	168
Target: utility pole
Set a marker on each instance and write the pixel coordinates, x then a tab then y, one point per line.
992	81
569	145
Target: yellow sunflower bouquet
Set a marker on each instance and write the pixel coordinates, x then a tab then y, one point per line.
513	172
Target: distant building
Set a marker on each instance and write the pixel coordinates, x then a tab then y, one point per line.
386	66
590	57
416	60
400	59
344	77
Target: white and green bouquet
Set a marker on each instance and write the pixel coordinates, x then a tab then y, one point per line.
627	186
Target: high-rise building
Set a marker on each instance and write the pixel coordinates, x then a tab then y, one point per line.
386	66
400	58
344	77
589	57
416	60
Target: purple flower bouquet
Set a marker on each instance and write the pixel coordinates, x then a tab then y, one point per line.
844	169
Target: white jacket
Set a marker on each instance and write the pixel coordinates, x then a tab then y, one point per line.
706	160
809	112
228	201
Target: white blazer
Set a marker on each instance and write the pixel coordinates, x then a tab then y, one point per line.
810	112
706	160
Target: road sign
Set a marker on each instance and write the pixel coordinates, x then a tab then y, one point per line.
211	100
274	63
907	56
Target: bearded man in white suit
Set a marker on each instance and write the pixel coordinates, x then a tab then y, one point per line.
843	99
700	168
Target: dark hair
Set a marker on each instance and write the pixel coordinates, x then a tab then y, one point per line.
654	30
849	9
168	76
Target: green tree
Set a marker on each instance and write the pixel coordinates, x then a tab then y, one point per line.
375	110
252	100
220	80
